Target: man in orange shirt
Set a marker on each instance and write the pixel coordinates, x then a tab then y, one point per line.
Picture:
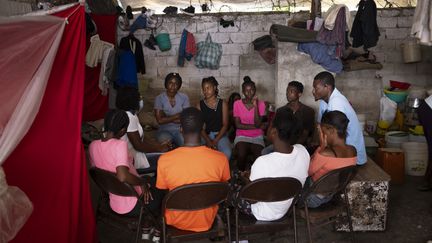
192	163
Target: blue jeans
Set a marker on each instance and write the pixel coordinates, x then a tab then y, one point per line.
152	159
224	145
174	136
267	150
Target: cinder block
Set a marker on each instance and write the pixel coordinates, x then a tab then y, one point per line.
396	33
424	68
389	13
229	71
171	61
252	26
207	27
408	11
387	22
190	26
405	68
235	49
405	21
241	37
221	38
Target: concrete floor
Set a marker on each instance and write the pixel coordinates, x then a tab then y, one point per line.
409	219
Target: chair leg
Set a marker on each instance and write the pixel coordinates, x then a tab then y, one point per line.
307	221
295	223
348	211
237	225
228	224
139	224
164	236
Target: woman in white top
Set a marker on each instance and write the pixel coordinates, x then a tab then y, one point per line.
145	153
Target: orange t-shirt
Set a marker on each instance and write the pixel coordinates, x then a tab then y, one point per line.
187	165
321	165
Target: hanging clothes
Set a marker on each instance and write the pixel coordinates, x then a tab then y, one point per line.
187	47
365	30
96	50
422	22
335	36
127	76
130	43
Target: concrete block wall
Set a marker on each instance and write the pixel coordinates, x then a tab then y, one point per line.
363	88
235	42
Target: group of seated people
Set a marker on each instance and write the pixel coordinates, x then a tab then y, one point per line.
193	147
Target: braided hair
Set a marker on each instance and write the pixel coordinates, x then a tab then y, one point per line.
116	120
211	80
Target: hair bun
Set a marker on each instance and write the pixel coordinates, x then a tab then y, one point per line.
247	79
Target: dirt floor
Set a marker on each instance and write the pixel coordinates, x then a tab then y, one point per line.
409	219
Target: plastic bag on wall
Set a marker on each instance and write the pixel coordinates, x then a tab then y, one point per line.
208	54
387	109
15	209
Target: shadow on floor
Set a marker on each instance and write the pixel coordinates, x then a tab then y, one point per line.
409	219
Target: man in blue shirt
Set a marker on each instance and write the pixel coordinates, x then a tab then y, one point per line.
331	99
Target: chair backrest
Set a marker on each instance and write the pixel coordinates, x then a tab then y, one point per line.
196	196
271	189
108	182
333	182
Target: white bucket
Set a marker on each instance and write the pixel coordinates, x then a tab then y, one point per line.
395	139
416	158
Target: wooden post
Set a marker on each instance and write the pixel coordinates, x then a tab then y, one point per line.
315	9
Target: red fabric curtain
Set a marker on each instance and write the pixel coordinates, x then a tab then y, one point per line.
95	104
49	164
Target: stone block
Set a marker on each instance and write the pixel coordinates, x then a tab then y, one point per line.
229	71
190	26
424	68
387	22
235	49
405	68
389	13
408	11
170	27
230	60
241	37
393	57
172	52
397	33
252	26
171	61
405	22
189	71
386	45
221	38
207	27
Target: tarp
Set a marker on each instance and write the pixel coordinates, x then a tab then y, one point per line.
49	163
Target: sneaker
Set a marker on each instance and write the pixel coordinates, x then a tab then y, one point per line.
189	10
146	233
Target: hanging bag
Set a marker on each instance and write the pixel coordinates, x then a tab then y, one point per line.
208	54
163	40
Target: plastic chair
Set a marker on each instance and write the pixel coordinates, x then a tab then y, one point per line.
333	183
109	183
268	190
193	197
